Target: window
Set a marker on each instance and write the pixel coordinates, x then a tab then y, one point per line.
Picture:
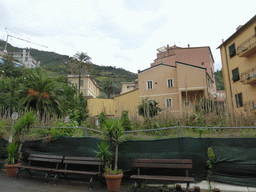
169	82
186	103
81	83
168	103
149	84
128	86
239	100
232	50
235	73
202	63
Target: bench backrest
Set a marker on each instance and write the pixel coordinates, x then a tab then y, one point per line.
86	161
163	163
82	160
45	158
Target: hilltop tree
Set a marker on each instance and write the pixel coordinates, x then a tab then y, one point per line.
219	80
108	87
81	64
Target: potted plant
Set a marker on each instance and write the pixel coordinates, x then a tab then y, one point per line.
113	132
22	129
11	162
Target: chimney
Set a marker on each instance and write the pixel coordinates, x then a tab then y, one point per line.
168	49
138	71
239	27
188	45
222	40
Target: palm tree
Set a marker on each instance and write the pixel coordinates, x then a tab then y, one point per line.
81	64
41	93
108	87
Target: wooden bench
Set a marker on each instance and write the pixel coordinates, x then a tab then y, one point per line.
41	162
163	164
77	165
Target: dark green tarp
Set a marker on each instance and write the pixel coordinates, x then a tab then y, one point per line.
3	144
235	161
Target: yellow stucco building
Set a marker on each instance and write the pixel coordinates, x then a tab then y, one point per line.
177	88
238	55
88	87
128	101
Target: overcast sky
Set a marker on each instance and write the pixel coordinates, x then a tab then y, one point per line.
122	33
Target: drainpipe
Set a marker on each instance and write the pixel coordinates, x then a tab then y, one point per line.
232	103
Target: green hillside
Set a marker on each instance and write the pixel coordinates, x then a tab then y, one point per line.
58	64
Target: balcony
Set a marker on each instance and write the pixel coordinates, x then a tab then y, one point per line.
248	47
249	77
250	106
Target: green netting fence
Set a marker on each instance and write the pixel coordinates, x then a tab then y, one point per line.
235	161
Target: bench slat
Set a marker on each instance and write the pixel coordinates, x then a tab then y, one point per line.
36	168
82	162
176	161
77	172
163	178
46	156
154	165
82	158
44	159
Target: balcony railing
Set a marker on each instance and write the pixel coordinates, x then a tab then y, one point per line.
249	77
248	47
250	106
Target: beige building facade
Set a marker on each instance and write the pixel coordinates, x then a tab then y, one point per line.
88	87
176	88
128	101
238	55
196	56
128	86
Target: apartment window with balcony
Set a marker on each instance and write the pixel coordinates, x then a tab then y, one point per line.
235	73
169	82
168	103
232	50
149	84
239	100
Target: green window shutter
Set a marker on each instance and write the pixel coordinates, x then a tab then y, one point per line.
232	50
235	73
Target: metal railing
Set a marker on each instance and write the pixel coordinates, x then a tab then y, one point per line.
248	75
180	129
246	44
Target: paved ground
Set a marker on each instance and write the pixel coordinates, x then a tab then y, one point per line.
28	183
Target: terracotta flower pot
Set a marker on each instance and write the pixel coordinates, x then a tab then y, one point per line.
114	182
12	169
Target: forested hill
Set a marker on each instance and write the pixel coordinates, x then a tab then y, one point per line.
56	63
